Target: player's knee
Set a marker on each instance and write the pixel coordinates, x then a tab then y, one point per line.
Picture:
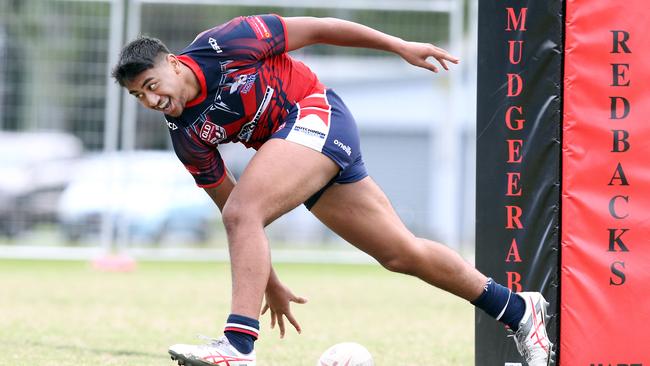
236	216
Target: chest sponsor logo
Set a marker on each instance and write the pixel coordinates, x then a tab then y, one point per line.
212	133
215	46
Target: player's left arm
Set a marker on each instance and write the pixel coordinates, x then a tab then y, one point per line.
305	31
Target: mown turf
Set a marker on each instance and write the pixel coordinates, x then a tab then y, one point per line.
66	313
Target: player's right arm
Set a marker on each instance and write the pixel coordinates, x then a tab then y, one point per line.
220	193
305	31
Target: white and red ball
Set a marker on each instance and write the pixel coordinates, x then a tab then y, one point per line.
346	354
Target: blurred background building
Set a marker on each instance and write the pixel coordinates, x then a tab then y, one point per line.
84	170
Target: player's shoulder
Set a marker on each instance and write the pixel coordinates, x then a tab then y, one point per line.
259	25
212	39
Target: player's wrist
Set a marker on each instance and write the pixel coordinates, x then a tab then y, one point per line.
398	46
273	284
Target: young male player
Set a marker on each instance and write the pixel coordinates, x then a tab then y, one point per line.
236	83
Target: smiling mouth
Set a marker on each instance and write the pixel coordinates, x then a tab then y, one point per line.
164	105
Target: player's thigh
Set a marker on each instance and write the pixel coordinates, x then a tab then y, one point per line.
279	177
361	214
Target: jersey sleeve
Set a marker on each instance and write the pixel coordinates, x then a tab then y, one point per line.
252	38
203	162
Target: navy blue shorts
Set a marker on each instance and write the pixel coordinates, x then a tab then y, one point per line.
322	122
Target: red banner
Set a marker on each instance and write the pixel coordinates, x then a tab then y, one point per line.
605	271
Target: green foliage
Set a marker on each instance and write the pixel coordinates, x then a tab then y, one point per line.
66	313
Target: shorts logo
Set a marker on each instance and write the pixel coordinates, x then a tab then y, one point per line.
346	148
310	132
215	46
260	28
212	133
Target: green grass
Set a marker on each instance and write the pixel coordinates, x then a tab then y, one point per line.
65	313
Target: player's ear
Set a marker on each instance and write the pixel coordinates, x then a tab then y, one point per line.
173	61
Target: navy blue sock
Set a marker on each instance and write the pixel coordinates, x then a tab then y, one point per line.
501	304
242	332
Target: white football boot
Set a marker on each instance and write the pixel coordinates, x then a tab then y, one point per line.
215	352
531	337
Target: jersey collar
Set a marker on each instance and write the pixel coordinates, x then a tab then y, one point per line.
189	62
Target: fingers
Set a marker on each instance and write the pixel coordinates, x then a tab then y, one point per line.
442	62
444	55
294	322
428	65
299	300
281	326
279	311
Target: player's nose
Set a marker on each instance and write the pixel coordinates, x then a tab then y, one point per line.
152	100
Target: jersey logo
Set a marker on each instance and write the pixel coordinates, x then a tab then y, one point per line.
239	81
215	46
212	133
172	126
246	82
260	28
249	84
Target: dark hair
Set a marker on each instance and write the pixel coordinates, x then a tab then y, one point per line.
139	55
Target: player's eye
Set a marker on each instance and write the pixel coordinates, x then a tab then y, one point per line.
153	86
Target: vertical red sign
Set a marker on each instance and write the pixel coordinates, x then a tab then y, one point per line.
605	271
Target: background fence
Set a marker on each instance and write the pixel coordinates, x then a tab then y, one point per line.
76	152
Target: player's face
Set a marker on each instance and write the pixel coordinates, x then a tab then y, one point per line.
160	88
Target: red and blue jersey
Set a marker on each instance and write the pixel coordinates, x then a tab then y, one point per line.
248	86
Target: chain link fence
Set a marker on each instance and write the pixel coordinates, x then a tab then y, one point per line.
71	141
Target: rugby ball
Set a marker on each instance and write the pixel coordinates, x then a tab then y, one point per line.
346	354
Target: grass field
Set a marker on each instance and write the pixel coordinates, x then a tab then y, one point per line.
66	313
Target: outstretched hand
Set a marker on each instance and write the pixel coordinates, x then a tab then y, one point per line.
417	53
278	301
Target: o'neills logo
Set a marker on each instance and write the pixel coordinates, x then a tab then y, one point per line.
212	133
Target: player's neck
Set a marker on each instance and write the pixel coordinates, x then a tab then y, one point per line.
191	83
